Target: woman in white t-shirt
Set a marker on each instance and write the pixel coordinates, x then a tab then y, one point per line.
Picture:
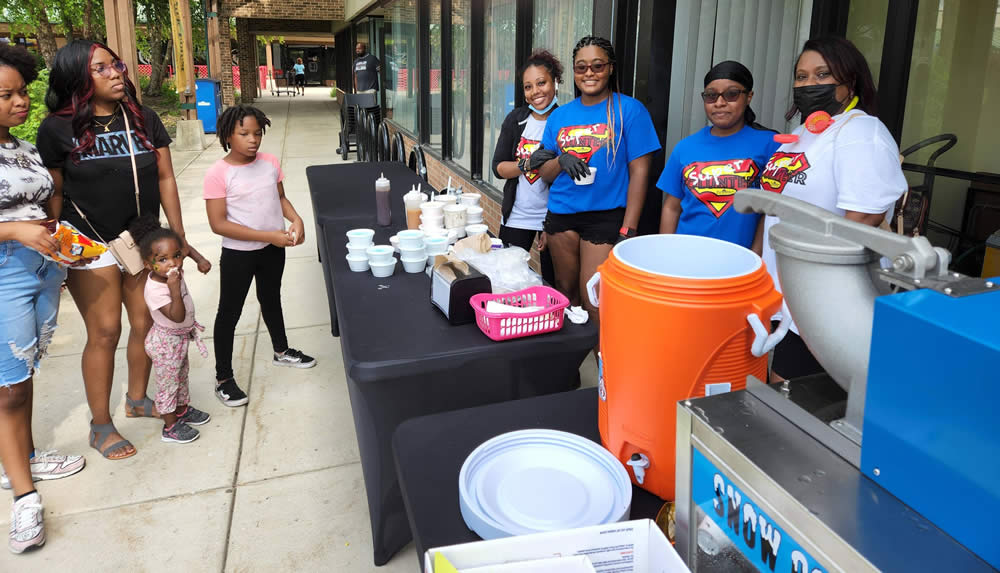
850	168
526	194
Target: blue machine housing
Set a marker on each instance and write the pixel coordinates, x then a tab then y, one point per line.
208	93
931	423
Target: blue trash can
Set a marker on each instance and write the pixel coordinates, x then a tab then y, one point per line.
209	97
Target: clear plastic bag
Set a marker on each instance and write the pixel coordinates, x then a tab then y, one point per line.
507	268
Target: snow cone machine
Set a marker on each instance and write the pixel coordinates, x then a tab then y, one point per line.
891	460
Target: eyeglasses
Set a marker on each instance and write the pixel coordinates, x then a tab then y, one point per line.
105	71
729	95
597	67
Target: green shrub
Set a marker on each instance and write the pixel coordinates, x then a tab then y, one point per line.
28	131
143	83
333	92
169	94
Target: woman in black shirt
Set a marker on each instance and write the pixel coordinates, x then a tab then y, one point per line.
83	144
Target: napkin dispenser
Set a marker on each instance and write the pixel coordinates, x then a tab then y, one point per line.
453	283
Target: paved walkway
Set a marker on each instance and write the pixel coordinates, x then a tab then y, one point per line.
274	486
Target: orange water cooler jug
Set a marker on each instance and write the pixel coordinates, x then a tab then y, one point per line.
680	315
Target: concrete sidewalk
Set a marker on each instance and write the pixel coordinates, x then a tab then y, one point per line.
274	486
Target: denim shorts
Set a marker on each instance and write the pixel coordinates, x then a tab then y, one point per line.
29	289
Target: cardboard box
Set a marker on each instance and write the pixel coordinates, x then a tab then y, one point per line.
627	547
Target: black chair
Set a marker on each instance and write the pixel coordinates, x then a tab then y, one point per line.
417	162
349	120
398	149
384	152
363	120
371	149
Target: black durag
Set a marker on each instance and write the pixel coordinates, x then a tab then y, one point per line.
737	72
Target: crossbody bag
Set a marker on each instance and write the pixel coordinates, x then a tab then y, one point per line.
123	247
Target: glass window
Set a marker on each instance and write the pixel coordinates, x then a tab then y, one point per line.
498	99
402	77
558	26
435	75
866	29
461	95
954	86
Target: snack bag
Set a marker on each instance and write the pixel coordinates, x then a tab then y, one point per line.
73	245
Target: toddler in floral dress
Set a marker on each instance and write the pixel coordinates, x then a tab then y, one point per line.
174	327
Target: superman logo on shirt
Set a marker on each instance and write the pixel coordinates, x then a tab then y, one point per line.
525	148
582	141
782	168
715	183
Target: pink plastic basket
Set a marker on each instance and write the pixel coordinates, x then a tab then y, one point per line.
505	326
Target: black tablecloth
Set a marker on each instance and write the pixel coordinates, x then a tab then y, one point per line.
347	192
430	451
404	360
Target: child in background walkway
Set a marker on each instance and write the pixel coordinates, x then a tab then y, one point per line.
247	205
174	327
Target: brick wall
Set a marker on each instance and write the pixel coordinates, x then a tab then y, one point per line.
228	88
258	25
286	9
437	176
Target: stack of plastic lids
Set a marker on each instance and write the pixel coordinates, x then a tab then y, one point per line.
531	481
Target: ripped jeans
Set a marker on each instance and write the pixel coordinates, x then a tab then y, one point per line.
29	303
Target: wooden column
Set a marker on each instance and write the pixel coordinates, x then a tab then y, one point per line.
119	16
180	20
216	63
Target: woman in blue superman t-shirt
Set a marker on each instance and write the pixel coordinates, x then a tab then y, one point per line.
706	170
606	133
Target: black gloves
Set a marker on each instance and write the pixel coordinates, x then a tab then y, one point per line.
539	157
573	166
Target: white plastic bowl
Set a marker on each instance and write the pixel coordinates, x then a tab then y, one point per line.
414	265
436	243
474	211
379	254
588	179
412	253
469	199
432	208
445	199
394	241
410	239
478	229
385	268
358	263
358	250
360	237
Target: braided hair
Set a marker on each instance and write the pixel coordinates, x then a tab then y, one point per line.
146	230
614	124
233	117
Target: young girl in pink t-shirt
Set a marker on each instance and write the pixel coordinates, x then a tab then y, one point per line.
247	206
174	327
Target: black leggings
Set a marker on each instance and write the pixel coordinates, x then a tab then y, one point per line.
524	238
237	269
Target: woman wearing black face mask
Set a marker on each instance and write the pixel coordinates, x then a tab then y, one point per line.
849	167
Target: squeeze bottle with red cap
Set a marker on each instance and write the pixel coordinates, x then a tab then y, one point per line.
384	215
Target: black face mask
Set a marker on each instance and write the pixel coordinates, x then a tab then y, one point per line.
822	97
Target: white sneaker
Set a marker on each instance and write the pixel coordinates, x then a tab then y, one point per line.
26	527
49	465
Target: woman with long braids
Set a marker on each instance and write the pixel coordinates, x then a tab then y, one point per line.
83	144
602	132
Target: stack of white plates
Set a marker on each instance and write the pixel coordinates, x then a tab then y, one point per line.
531	481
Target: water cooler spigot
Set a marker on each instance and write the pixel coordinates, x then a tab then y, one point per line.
639	463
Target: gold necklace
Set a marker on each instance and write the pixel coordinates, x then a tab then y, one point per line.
106	127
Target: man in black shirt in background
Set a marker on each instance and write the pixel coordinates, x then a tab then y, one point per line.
366	69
